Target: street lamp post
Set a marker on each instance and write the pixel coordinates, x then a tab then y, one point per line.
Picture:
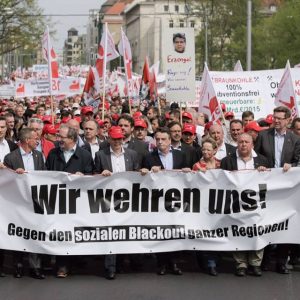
249	38
206	38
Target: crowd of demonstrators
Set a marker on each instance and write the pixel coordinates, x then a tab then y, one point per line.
78	140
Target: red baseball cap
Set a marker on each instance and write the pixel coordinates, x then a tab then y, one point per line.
191	128
65	120
167	116
49	129
140	123
47	119
137	114
187	115
87	109
115	117
115	132
77	118
229	114
253	125
100	123
269	119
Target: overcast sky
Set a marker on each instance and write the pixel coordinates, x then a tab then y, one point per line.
63	24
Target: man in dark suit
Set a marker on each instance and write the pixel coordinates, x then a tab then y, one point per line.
282	148
192	154
23	159
115	159
246	158
71	158
6	146
164	158
126	122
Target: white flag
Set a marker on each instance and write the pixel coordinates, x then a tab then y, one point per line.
238	67
209	103
286	93
125	50
106	51
49	55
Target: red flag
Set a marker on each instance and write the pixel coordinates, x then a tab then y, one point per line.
89	81
146	71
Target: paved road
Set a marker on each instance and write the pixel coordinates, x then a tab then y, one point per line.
88	283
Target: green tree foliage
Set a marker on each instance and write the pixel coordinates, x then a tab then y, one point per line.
21	25
226	20
281	39
275	38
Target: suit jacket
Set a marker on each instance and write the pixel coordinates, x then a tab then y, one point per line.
192	154
265	145
14	160
103	160
229	163
141	148
12	146
80	161
230	149
152	159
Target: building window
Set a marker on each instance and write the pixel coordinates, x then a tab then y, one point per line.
177	8
171	23
181	23
166	8
192	24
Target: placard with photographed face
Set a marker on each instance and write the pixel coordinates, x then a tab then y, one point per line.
179	62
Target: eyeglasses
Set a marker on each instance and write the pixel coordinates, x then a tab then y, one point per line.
62	137
175	131
279	118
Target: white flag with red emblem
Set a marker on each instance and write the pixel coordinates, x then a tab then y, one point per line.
238	67
286	93
209	103
50	56
106	51
125	50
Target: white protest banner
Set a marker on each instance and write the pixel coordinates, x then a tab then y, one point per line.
249	90
34	87
7	90
40	69
57	213
179	63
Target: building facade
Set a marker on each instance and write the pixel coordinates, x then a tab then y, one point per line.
75	49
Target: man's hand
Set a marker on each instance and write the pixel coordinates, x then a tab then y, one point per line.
20	171
261	169
144	171
156	169
79	173
286	167
106	173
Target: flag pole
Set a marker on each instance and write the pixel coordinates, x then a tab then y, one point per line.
180	109
104	69
50	74
126	71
